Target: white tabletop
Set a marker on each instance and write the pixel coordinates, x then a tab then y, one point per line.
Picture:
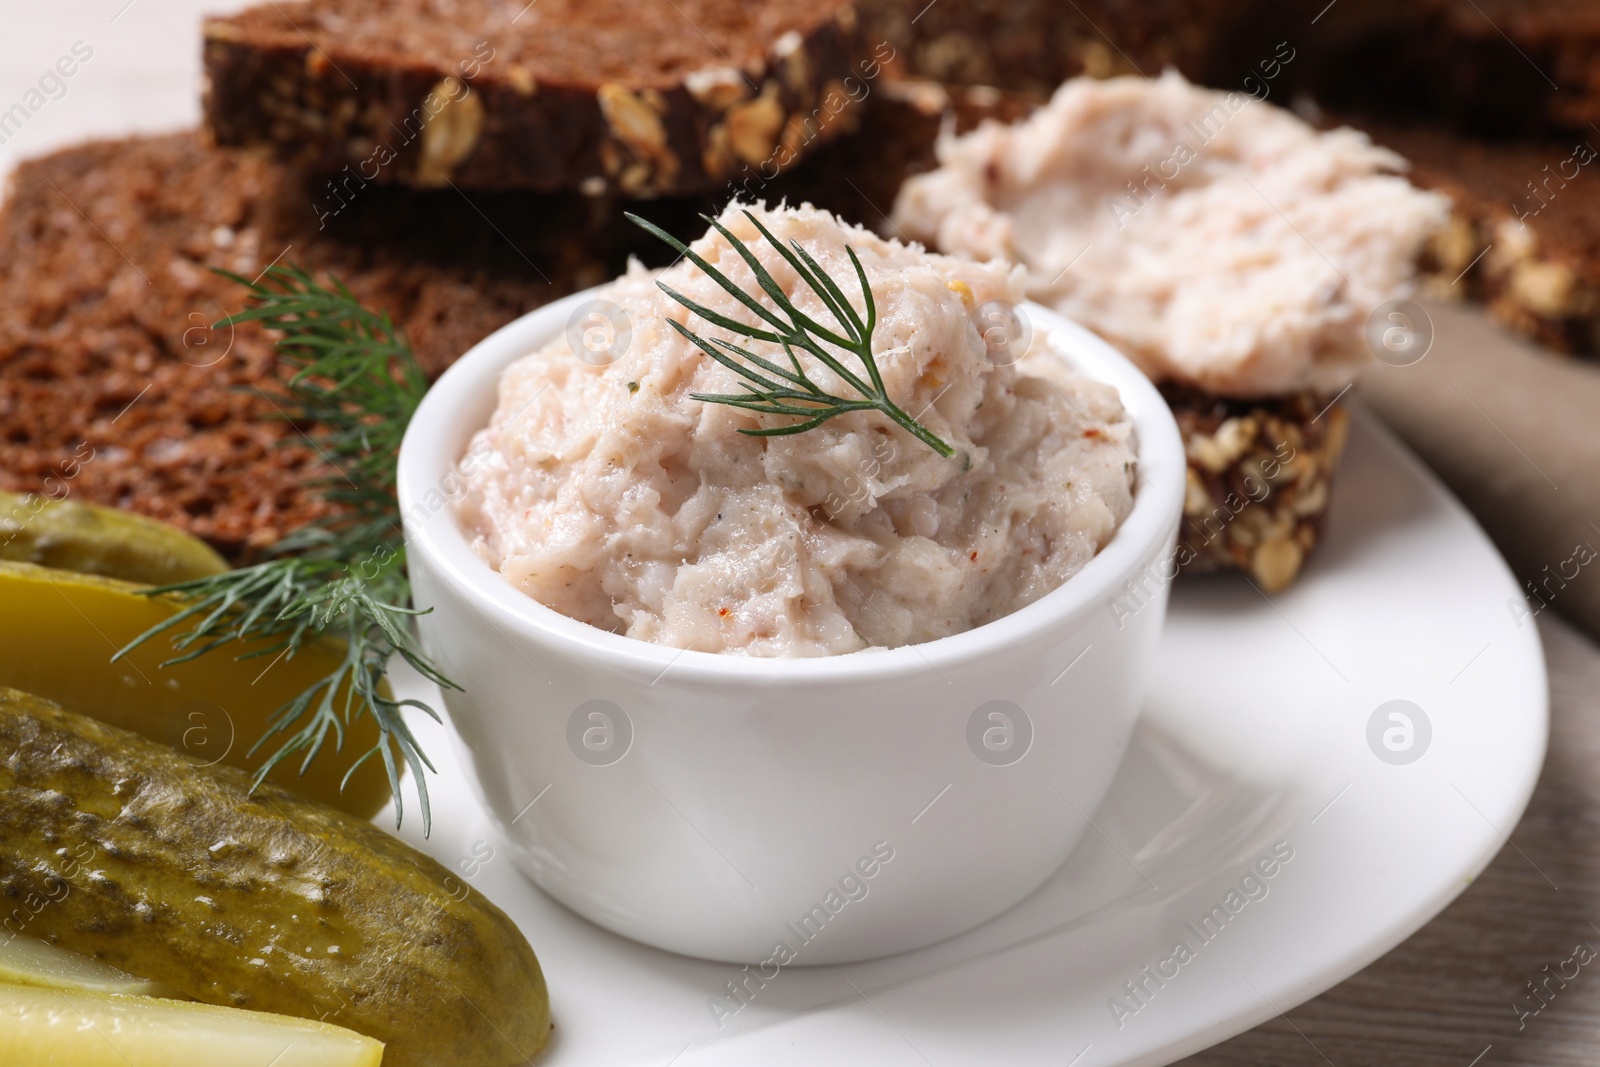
142	73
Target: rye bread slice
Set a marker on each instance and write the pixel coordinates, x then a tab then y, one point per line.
641	98
1536	65
1487	67
113	387
1032	46
1496	68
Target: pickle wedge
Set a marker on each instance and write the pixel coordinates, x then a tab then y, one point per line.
73	1028
28	961
90	539
58	631
118	848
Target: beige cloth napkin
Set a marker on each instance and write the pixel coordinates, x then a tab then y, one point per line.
1514	430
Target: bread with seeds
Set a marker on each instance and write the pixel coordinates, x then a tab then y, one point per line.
642	98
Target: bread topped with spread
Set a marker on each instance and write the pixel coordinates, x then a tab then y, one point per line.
1230	249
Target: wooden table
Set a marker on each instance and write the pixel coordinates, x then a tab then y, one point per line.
1451	995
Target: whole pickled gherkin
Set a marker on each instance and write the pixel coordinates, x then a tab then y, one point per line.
119	848
70	536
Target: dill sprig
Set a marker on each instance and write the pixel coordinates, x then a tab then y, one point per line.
788	390
356	381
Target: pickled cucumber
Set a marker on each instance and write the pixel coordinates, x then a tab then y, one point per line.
119	848
71	536
77	1029
28	961
58	631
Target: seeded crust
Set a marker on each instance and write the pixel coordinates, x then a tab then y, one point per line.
108	368
1258	481
641	98
1524	236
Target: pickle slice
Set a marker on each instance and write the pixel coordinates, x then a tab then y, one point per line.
75	1028
29	961
58	631
90	539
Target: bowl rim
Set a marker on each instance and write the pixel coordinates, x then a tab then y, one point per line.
470	387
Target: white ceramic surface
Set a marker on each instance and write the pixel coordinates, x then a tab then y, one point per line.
1254	733
727	805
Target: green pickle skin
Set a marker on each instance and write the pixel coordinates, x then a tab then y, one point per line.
70	536
121	849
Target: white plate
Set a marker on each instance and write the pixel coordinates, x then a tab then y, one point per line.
1255	737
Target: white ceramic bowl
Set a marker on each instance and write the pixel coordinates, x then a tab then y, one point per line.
842	808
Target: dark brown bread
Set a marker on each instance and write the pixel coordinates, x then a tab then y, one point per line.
1034	45
1488	67
1258	481
1525	233
1491	67
638	97
113	389
1537	64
